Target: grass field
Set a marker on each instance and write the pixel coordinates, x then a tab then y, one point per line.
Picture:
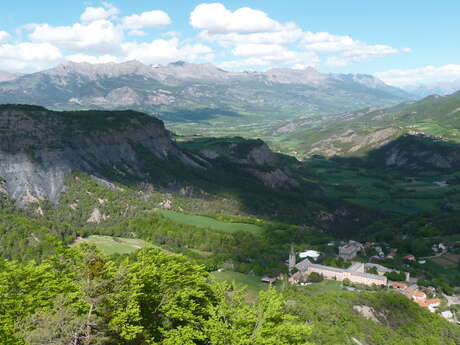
114	245
322	287
207	222
447	260
252	284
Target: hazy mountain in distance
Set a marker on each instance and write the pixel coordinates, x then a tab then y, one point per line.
7	76
163	90
440	88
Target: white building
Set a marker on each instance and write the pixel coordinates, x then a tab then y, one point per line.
355	273
310	254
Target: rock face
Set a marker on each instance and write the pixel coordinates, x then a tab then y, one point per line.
253	156
417	152
352	142
38	147
96	217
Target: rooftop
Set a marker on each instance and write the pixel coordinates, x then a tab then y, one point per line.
399	285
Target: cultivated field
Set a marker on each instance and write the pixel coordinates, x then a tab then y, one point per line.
447	260
114	245
207	222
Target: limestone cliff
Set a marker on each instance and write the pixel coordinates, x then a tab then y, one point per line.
39	147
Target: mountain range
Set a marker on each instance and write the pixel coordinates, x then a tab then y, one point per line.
184	91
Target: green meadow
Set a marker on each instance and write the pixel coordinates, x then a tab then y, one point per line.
251	284
211	223
114	245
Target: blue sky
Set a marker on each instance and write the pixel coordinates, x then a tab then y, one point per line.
402	42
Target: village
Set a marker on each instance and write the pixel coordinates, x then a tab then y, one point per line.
360	266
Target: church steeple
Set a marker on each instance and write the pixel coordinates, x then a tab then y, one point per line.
291	258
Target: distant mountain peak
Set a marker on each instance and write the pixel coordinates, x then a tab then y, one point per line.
7	76
309	76
439	88
178	63
92	71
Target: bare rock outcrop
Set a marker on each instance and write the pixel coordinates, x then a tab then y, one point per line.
39	148
96	216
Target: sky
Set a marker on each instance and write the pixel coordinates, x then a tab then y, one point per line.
403	43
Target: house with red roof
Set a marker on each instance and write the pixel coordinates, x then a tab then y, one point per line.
431	304
391	255
399	286
409	257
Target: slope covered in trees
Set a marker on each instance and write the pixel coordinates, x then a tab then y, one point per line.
78	296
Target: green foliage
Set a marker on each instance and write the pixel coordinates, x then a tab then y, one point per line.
335	321
372	270
264	323
395	276
336	262
80	296
23	238
315	277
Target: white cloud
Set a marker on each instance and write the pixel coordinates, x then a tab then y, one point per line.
421	75
163	51
245	25
363	51
97	13
100	36
4	36
155	52
278	58
151	19
253	34
216	19
137	33
28	56
290	34
258	49
193	52
337	61
326	42
242	38
350	50
171	34
92	59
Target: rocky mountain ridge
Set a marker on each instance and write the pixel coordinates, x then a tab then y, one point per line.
160	90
